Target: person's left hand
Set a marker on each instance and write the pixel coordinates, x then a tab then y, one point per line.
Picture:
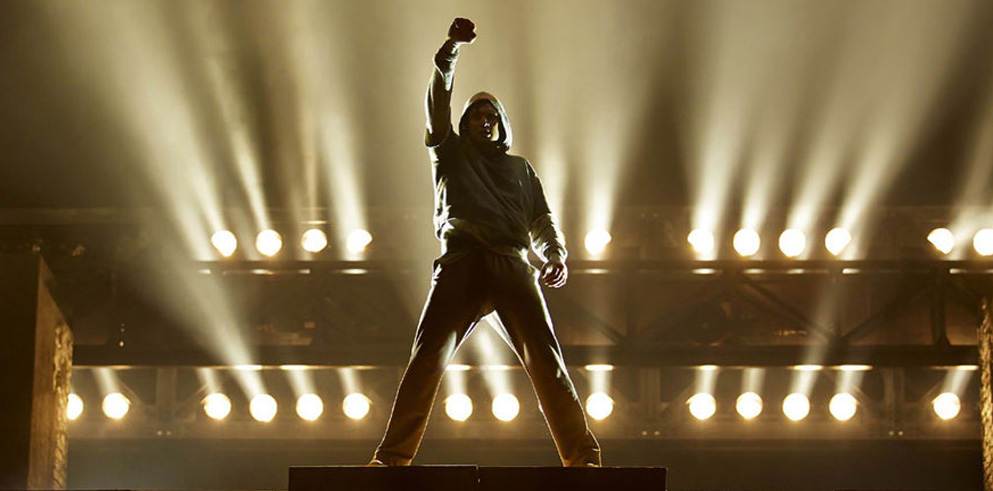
554	274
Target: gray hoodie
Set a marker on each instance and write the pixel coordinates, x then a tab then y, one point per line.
484	197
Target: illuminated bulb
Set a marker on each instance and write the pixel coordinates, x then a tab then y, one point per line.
749	405
458	407
702	406
358	240
116	406
947	405
74	407
983	242
597	240
855	368
506	407
458	367
225	242
796	406
746	242
701	240
217	406
792	242
843	406
310	407
356	406
942	239
599	405
314	240
263	408
808	368
599	367
836	240
268	242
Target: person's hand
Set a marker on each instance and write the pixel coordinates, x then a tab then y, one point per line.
554	273
462	31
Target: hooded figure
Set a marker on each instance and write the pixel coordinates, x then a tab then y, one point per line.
489	209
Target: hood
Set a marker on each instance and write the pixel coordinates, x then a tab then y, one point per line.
506	136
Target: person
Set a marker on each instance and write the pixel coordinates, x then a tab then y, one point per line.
489	207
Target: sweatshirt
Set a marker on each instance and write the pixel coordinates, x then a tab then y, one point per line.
484	198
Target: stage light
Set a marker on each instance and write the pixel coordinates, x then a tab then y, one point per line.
747	242
217	406
314	240
792	242
268	242
796	406
506	407
749	405
116	406
74	407
225	242
947	405
356	406
599	367
597	240
599	405
458	367
843	406
983	242
855	368
702	406
808	368
263	408
836	240
942	240
701	240
310	407
458	407
358	240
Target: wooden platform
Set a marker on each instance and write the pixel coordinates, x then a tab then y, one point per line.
473	478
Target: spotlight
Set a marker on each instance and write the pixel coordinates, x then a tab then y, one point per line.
747	242
947	406
597	240
310	407
599	405
356	406
942	239
74	407
458	407
983	242
796	406
792	242
217	406
263	408
116	406
749	405
358	240
599	367
314	240
843	406
701	240
225	242
855	368
702	406
808	368
268	242
836	240
506	407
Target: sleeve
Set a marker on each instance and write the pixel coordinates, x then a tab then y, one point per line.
439	96
547	240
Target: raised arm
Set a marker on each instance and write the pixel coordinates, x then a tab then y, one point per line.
439	97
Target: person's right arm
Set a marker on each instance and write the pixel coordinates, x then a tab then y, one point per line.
439	97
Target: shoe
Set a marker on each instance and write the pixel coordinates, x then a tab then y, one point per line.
376	463
591	464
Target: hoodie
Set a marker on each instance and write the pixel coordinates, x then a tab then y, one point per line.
485	198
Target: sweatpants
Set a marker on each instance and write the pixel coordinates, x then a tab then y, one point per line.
463	292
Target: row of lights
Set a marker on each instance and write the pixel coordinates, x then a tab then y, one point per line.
269	242
796	406
793	242
217	406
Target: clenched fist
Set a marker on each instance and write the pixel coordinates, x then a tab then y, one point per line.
462	31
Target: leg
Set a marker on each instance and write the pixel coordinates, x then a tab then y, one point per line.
521	307
454	305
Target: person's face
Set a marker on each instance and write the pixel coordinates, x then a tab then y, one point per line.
483	121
